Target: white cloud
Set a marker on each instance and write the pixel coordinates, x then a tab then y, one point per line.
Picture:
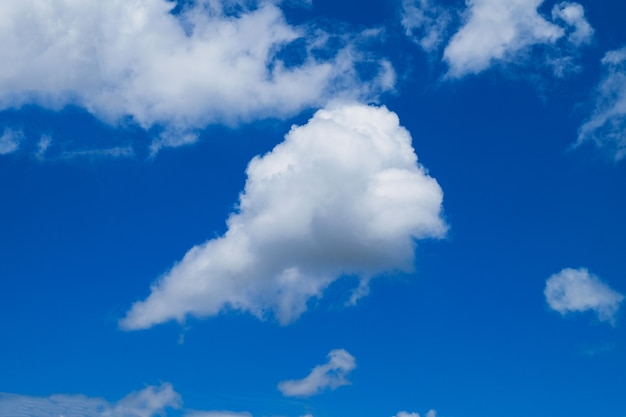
332	374
578	290
10	141
499	31
425	22
121	58
343	194
573	14
606	127
151	401
430	413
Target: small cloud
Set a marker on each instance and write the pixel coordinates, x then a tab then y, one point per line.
606	127
577	290
426	23
10	141
332	374
496	31
573	14
406	414
430	413
42	147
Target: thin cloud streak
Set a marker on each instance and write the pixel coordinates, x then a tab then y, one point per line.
606	127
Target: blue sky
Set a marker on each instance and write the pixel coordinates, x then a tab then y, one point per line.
236	208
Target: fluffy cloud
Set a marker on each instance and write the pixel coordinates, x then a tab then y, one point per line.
498	31
343	194
151	401
606	126
425	22
10	141
577	290
215	62
332	374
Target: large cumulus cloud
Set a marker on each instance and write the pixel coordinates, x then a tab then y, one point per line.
343	194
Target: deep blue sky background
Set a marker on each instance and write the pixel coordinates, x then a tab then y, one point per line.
468	334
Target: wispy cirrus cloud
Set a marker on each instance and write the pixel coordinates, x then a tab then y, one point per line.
606	126
332	374
578	290
343	194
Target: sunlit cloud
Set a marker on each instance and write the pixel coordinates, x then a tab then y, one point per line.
496	32
207	64
578	290
343	194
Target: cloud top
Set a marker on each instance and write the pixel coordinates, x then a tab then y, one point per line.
343	194
578	290
332	374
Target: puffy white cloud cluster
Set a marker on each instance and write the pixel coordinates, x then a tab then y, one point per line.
578	290
120	58
332	374
343	194
495	32
606	127
149	402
